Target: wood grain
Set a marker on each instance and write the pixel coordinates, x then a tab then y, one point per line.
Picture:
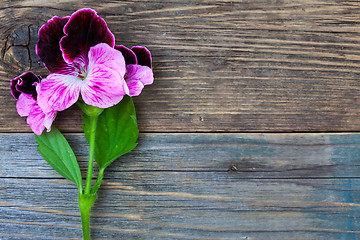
220	66
192	186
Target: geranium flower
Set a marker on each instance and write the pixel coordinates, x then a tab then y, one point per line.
23	88
86	67
79	51
138	68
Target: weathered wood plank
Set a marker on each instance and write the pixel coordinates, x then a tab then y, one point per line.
192	186
219	65
234	155
185	206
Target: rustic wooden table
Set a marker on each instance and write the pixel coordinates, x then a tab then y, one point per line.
250	130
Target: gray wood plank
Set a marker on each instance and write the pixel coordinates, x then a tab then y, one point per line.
237	155
192	186
279	66
185	206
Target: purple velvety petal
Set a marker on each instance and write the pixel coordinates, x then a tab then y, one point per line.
24	104
38	120
58	92
84	30
129	55
104	87
103	54
24	84
143	56
48	47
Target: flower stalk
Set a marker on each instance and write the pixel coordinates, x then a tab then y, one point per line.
86	201
93	121
87	198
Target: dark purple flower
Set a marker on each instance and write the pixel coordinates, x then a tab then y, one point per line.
48	48
25	83
129	55
143	56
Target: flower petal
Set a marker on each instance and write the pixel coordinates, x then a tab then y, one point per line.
37	120
137	77
129	55
24	104
58	92
135	87
48	48
103	54
143	56
84	30
139	73
103	87
49	119
24	84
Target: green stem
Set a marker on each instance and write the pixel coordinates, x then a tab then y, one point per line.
98	181
93	120
85	203
87	198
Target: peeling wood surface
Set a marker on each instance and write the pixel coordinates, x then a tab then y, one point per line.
220	66
192	186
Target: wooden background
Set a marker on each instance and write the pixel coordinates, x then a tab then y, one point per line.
250	130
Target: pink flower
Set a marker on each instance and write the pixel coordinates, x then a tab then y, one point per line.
138	68
79	51
23	88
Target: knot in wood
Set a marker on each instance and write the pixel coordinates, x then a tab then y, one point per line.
19	50
233	168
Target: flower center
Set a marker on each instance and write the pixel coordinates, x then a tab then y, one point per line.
80	69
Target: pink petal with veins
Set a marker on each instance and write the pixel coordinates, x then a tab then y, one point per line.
49	118
37	118
24	104
139	73
58	92
135	87
105	55
137	77
103	87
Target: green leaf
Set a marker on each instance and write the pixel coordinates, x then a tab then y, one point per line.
116	132
58	153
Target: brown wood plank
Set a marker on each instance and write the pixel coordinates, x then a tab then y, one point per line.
192	186
219	65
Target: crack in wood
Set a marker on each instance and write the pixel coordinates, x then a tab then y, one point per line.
19	53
